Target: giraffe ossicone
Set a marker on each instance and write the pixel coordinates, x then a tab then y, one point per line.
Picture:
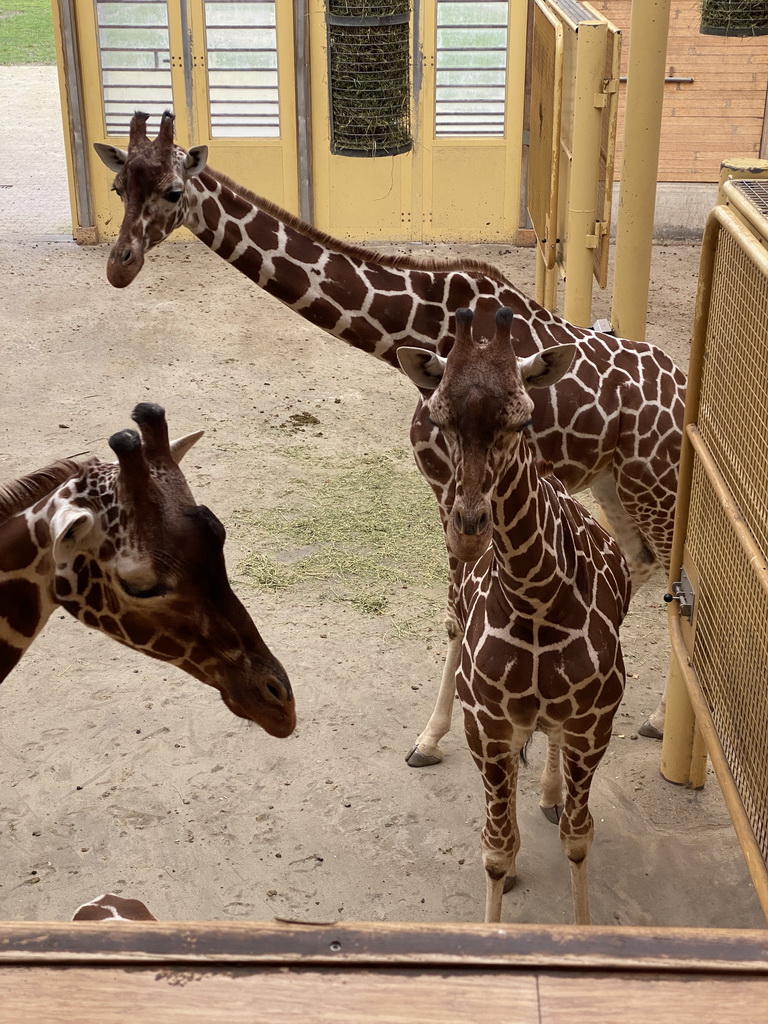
124	548
539	591
612	424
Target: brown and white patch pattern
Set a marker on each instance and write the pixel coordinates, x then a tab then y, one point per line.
539	592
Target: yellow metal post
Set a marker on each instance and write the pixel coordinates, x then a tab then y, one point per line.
681	758
581	216
683	754
637	196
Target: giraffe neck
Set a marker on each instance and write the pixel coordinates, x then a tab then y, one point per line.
373	303
531	551
26	596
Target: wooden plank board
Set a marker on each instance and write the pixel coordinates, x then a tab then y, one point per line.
251	996
476	945
259	973
679	1000
717	116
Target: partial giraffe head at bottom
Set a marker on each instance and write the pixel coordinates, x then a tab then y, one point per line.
124	548
109	907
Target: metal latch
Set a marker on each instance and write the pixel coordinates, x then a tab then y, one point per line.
683	592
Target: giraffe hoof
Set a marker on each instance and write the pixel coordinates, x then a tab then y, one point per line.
415	758
552	813
510	882
649	730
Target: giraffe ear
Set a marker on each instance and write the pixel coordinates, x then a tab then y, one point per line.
181	445
70	529
423	367
195	161
548	366
113	157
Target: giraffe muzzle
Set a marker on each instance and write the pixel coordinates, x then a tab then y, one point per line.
266	698
469	532
123	265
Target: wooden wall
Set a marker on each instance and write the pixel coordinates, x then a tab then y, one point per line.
717	116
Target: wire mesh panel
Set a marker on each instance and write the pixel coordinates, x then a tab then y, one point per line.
730	650
134	54
733	408
241	56
721	531
471	68
755	193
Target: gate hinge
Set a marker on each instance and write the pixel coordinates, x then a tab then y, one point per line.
683	592
609	87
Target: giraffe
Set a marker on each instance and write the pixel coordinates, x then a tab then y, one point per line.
540	592
124	548
613	425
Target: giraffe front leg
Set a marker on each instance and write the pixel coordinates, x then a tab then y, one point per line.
551	800
577	828
500	838
426	750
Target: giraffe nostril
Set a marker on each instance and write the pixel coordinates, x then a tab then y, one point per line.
482	522
458	522
276	692
127	256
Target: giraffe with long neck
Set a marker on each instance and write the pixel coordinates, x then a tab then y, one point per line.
124	548
614	423
541	590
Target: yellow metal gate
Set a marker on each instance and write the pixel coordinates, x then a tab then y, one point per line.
460	178
574	91
254	80
225	68
719	622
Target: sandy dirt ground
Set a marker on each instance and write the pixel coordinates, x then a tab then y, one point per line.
119	773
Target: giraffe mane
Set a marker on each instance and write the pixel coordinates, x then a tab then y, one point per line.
19	494
360	251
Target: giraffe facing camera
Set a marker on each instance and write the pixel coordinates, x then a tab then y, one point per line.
124	548
539	590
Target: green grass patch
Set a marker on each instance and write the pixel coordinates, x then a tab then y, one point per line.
26	32
365	533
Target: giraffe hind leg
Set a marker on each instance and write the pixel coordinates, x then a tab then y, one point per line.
642	564
551	800
614	517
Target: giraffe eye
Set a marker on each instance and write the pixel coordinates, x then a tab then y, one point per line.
142	592
118	190
173	196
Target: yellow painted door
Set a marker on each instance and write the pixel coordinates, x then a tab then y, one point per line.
471	123
461	178
357	194
226	69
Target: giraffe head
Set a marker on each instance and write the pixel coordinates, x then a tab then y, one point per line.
478	399
136	558
151	178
